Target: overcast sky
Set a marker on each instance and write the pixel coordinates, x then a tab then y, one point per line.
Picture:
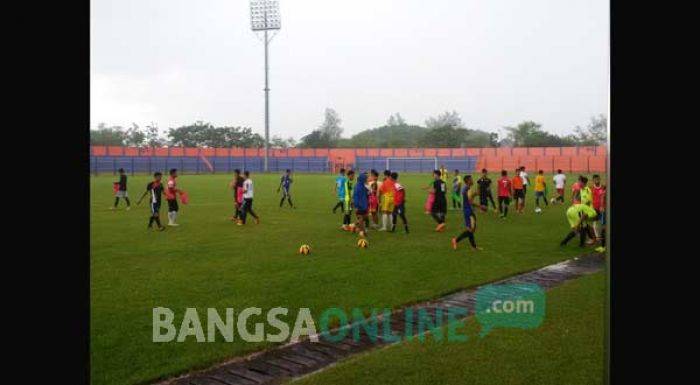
496	62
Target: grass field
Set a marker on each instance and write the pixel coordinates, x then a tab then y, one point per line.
566	349
210	262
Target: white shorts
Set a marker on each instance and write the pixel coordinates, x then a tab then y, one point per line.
121	194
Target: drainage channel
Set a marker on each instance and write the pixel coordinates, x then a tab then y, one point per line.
295	360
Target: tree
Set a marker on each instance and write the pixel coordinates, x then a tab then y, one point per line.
327	134
493	139
446	119
278	142
192	135
107	136
153	138
205	134
530	134
395	120
135	136
388	136
330	128
315	139
596	133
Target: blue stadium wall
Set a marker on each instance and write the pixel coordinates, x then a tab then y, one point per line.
196	165
464	164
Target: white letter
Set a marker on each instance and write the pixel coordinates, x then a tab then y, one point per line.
507	308
526	306
159	323
259	328
304	317
280	325
494	306
191	326
215	322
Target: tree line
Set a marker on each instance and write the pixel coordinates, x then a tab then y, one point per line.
444	130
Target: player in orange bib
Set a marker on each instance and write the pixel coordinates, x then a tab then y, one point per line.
518	192
386	192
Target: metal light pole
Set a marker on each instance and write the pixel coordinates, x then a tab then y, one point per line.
265	16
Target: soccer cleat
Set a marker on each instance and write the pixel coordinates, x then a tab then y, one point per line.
257	221
173	224
162	228
440	228
454	243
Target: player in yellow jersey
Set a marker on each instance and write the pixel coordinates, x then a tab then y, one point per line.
579	217
444	174
540	191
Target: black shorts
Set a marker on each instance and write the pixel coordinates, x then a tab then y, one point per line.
504	200
439	206
155	208
247	204
172	205
361	212
519	194
484	198
400	209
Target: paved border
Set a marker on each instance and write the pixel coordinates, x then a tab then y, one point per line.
289	361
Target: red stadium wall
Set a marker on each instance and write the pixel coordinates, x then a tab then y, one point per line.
593	158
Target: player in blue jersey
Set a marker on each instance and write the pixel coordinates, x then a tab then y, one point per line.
340	190
469	215
285	185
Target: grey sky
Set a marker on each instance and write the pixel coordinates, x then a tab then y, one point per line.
496	62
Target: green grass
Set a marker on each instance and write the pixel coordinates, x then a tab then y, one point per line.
210	262
566	349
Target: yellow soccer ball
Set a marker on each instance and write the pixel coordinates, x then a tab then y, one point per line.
304	249
362	243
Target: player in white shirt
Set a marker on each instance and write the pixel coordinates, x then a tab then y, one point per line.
247	207
523	175
559	183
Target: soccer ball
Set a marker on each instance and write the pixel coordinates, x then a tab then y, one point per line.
538	210
304	249
362	243
552	200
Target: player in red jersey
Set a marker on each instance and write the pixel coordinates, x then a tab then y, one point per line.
399	200
171	192
236	187
576	191
599	206
505	190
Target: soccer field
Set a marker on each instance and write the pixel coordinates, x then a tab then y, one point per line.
208	261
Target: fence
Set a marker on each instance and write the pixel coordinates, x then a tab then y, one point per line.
108	159
201	165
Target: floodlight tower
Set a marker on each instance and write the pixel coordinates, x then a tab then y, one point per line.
265	16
